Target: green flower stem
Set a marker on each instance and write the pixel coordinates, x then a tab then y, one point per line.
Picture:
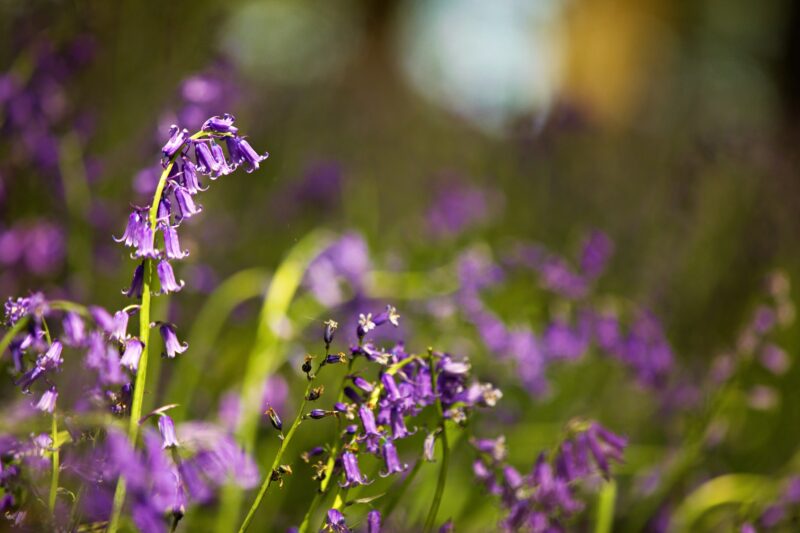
54	459
54	464
273	471
144	337
430	522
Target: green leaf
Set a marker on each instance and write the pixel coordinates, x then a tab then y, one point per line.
723	490
238	288
266	357
366	499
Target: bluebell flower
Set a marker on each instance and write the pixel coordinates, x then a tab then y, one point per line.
206	163
146	246
374	521
74	329
133	231
190	180
362	384
167	278
176	141
389	315
120	328
352	473
391	460
137	283
223	124
132	354
167	429
47	402
171	343
335	522
186	206
172	245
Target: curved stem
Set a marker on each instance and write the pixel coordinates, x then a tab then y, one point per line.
437	497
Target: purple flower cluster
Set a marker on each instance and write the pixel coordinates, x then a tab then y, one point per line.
37	351
34	105
201	95
458	207
21	461
186	159
545	499
640	346
37	247
164	478
378	413
344	264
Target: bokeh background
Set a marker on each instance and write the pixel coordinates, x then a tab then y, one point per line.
669	125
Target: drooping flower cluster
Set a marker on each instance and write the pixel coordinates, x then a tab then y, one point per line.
199	96
186	159
547	497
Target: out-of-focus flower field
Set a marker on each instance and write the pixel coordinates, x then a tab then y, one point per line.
399	265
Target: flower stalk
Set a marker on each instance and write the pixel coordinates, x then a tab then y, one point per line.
437	497
144	332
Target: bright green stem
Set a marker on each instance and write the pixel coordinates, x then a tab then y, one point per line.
430	522
277	462
144	336
605	507
54	463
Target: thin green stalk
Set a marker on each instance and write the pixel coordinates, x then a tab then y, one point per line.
54	463
54	460
144	336
437	497
276	463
